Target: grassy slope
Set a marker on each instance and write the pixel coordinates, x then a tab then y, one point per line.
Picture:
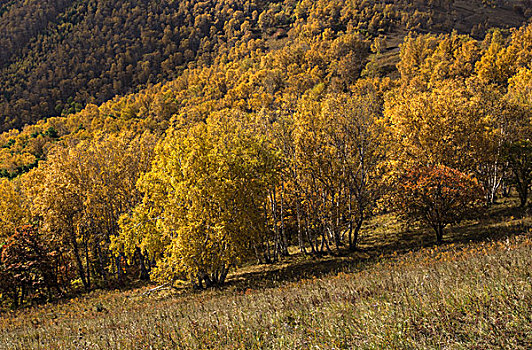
464	294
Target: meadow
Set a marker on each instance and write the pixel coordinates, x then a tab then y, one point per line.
472	292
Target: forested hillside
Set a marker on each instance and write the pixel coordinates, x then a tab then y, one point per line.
56	56
255	127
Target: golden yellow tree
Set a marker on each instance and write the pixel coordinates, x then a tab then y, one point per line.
518	149
503	59
460	124
14	208
337	155
80	192
204	199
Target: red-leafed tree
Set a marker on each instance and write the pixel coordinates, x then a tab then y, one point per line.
437	196
27	267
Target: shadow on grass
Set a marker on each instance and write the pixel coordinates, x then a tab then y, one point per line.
382	237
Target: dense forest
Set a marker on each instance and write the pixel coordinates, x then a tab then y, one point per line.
56	56
249	127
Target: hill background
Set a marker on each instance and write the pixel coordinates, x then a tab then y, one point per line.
57	56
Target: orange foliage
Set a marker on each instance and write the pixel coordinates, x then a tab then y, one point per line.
437	196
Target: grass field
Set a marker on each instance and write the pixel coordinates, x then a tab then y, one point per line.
401	291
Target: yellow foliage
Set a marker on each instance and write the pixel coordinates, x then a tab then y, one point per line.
203	199
13	208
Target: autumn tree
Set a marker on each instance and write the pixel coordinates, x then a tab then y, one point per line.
427	59
336	159
204	199
437	196
504	58
518	150
519	157
80	192
28	267
460	124
520	88
14	208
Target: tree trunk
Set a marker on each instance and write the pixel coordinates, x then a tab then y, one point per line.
102	266
523	196
199	285
87	263
144	275
353	237
118	269
283	231
299	230
439	233
336	227
325	241
223	274
273	204
522	184
79	263
313	247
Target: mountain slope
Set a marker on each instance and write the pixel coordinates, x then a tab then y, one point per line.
59	55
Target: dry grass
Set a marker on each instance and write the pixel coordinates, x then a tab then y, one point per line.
463	294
